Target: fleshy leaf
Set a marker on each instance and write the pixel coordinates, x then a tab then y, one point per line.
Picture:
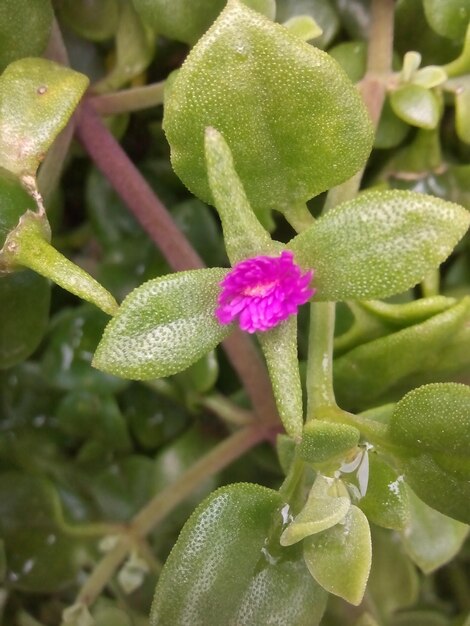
339	558
379	244
450	18
37	98
430	538
416	105
433	423
222	569
181	20
321	511
244	236
322	441
24	29
393	582
163	327
434	418
24	315
386	500
245	71
441	488
412	350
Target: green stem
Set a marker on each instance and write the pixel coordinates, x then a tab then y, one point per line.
320	357
129	100
430	284
299	217
165	501
226	410
99	529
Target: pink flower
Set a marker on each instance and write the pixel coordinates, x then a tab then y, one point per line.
263	292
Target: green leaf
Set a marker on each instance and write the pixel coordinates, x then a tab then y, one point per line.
339	558
352	56
37	98
304	27
446	491
322	441
379	244
386	499
322	510
24	29
416	105
222	570
180	20
412	350
243	234
66	359
135	47
391	130
434	418
430	538
393	582
408	313
450	18
163	327
433	423
40	557
96	20
321	11
24	315
294	123
14	202
279	347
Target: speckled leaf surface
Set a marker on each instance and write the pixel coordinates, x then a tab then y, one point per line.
163	326
379	244
340	558
433	423
244	236
37	98
293	120
434	418
221	570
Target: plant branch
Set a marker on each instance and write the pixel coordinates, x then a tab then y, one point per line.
165	501
129	100
128	182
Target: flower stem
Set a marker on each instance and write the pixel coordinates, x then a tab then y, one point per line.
165	501
128	100
225	409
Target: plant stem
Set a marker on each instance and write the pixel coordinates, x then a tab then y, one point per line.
320	357
225	409
129	100
128	182
165	501
322	320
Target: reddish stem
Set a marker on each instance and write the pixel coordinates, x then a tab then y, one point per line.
134	190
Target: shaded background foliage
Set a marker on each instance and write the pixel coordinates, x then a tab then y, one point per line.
83	451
